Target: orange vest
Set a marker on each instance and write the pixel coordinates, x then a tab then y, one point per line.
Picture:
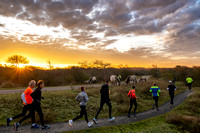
28	97
131	94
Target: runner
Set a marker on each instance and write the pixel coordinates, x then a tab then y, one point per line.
36	95
189	81
171	88
28	106
83	99
104	99
155	93
133	97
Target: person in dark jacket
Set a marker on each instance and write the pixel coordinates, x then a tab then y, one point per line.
171	88
104	99
37	96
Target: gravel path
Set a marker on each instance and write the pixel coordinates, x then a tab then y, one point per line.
81	125
13	91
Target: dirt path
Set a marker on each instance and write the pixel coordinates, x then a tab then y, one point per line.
13	91
81	125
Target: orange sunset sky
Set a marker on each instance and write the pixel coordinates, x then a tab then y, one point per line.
138	33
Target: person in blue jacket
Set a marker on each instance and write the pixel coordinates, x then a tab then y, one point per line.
155	90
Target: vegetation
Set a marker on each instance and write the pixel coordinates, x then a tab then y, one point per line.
183	119
59	106
17	59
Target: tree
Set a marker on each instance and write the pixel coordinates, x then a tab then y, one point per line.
49	65
17	59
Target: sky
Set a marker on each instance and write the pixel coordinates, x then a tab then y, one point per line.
139	33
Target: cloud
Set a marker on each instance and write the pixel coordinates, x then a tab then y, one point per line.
173	25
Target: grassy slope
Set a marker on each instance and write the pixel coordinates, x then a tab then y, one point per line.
60	106
184	118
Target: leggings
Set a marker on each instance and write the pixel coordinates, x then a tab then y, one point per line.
30	108
101	107
132	101
83	112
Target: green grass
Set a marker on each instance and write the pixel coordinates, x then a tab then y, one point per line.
59	106
184	118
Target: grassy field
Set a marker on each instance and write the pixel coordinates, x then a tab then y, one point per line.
60	106
183	119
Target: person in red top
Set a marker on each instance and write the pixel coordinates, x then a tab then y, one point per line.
133	97
27	101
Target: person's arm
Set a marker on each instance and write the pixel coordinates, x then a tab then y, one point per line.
150	89
159	90
86	98
23	98
128	94
77	98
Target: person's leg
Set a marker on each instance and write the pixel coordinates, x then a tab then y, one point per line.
25	109
29	107
40	113
79	116
135	103
110	108
172	99
131	105
154	98
101	107
156	102
85	113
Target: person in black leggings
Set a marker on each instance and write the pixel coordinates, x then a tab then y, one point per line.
36	95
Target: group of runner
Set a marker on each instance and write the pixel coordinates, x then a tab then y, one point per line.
32	102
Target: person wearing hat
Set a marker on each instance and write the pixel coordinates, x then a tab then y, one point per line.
171	88
133	97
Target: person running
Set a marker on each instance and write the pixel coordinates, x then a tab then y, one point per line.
104	99
155	90
28	106
83	99
189	81
133	97
171	88
36	95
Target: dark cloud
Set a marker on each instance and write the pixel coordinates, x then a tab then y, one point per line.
84	18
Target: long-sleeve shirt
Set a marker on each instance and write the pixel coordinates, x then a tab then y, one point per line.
82	98
36	95
104	92
131	94
189	80
155	91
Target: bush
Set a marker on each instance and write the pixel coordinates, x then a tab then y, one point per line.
184	122
8	84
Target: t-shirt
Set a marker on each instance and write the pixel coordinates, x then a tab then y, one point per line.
28	97
171	89
104	92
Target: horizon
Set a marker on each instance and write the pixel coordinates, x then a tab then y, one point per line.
133	33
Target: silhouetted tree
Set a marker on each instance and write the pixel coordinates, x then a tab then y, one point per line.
17	59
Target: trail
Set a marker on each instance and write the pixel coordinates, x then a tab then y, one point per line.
81	125
13	91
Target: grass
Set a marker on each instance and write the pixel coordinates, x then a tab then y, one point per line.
184	119
60	106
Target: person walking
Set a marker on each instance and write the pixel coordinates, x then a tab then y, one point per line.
105	92
133	97
155	90
189	81
83	99
36	95
28	106
171	88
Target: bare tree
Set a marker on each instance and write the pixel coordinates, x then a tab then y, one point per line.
17	59
49	64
